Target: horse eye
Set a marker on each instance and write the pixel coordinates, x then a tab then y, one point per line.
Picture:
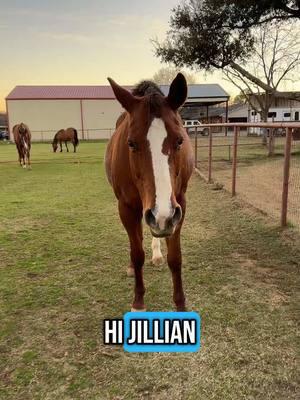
132	144
179	142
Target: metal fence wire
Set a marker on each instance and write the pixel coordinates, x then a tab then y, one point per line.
47	135
265	174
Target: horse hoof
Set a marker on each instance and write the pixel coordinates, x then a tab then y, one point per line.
138	309
24	166
130	271
157	261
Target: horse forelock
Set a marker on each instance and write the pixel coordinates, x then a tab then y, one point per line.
154	97
146	88
22	128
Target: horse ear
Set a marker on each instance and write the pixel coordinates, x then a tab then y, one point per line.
124	97
178	92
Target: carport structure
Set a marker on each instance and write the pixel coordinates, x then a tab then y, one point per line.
199	100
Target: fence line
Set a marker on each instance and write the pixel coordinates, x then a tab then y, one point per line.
46	135
237	144
286	175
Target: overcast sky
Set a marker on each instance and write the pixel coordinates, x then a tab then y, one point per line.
82	42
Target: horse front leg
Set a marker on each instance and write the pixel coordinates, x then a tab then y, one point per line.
67	147
132	221
74	145
175	261
60	143
20	157
23	156
28	159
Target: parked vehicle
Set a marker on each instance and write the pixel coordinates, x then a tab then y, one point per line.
4	135
192	124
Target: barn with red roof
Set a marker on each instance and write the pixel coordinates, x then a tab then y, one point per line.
92	110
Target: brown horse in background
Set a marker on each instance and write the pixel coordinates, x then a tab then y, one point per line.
149	161
296	134
22	138
65	135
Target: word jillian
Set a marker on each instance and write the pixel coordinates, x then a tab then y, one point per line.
153	331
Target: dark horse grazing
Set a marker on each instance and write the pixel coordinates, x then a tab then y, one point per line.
22	138
296	134
149	161
65	135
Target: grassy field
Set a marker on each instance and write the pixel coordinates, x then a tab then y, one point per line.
63	259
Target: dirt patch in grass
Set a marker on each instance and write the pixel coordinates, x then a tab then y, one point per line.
261	186
259	178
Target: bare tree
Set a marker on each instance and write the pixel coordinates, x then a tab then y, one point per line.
276	59
215	34
165	75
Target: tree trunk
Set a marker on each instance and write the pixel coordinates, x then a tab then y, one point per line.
271	142
264	118
267	88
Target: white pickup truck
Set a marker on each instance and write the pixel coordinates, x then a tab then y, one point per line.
192	124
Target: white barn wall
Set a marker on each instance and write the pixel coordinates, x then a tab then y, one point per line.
99	117
44	117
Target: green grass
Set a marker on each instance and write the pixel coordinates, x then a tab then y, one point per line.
63	259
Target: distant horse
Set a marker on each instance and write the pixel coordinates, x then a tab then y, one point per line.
22	138
296	134
149	161
65	135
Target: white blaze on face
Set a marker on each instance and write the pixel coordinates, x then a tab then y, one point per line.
163	189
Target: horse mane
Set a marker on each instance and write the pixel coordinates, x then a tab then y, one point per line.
145	88
55	140
154	94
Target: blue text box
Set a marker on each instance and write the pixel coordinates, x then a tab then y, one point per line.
162	331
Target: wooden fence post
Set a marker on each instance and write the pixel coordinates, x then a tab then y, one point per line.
234	161
209	154
196	149
286	175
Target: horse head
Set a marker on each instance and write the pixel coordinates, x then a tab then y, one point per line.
22	128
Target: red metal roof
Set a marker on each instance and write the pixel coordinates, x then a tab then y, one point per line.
205	91
62	92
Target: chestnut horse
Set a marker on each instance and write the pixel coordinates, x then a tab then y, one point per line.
22	138
149	161
65	135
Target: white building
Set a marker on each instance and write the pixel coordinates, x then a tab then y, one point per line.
282	109
91	110
278	114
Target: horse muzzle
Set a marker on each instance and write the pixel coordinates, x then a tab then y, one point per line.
162	226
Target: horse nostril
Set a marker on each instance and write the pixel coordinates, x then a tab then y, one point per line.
177	215
150	218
